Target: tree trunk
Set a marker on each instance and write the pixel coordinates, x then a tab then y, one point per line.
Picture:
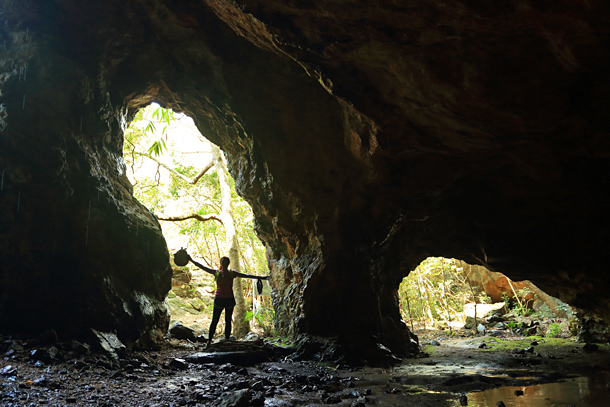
240	326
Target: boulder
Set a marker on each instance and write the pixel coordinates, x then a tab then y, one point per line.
499	287
484	310
45	355
237	358
109	343
181	276
8	370
179	331
238	398
80	348
593	329
483	313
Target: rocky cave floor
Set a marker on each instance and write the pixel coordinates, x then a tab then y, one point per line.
256	373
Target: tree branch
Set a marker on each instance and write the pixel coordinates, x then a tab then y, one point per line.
201	218
205	169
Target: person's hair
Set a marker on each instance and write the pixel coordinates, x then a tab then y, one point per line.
224	261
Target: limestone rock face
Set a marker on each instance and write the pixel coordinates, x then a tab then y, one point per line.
366	136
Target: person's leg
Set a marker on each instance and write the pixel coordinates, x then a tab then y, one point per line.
215	318
228	320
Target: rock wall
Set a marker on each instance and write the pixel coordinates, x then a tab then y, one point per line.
499	288
366	136
77	251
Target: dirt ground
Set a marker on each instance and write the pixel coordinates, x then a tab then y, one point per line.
186	374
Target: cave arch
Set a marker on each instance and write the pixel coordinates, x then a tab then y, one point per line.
176	182
440	295
363	145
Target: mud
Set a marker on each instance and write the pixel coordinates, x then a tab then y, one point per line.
173	376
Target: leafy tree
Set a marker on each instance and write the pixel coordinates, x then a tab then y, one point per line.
193	198
435	291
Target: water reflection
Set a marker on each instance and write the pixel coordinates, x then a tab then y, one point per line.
580	392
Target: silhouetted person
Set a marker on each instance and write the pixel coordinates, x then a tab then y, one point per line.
224	298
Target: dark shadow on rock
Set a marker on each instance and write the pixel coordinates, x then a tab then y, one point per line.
240	353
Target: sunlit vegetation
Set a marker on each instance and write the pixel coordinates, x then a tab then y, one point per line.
436	290
445	294
437	293
170	166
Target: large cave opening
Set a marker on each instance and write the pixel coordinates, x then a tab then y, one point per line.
183	179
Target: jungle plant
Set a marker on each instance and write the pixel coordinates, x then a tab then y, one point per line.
512	325
554	330
435	291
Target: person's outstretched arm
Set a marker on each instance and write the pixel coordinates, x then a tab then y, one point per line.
244	275
202	267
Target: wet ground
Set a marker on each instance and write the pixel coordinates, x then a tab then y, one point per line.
188	375
581	392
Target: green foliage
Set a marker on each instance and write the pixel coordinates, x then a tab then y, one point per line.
190	291
512	325
248	317
554	331
484	298
508	301
164	116
280	341
167	194
546	345
157	148
518	307
160	116
435	291
265	317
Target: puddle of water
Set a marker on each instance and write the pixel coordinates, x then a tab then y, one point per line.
486	369
579	392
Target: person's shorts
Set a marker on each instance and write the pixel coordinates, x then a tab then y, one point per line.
224	302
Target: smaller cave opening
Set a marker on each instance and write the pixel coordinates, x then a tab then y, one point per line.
501	342
182	178
445	297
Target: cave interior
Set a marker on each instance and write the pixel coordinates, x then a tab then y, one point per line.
366	138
